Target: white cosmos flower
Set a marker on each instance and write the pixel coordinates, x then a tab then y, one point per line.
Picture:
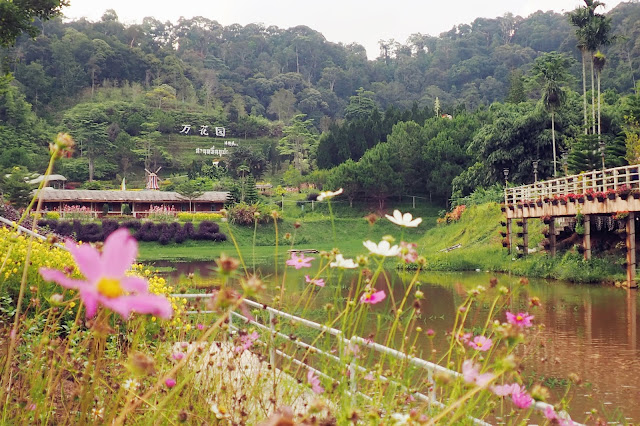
383	248
341	262
404	219
329	194
130	384
400	419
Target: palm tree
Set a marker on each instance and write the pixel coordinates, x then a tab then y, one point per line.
551	70
579	19
592	31
599	61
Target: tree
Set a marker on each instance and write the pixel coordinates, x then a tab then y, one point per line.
361	106
17	17
15	188
88	123
551	70
245	156
300	142
282	104
190	191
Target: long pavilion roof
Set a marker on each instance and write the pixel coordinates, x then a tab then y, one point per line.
86	195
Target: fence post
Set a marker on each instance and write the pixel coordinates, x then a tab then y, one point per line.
272	348
432	386
353	385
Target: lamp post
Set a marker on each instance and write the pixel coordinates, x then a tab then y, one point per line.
506	175
602	147
565	163
535	170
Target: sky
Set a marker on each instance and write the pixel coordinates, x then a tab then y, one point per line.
361	21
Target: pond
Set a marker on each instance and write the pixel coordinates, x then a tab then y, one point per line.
588	330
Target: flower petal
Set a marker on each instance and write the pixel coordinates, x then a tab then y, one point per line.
62	279
141	303
87	258
90	299
119	252
135	284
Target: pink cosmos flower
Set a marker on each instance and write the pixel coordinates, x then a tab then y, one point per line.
408	252
471	374
520	397
481	343
319	281
177	355
550	414
464	337
522	319
299	261
170	383
503	390
200	326
246	341
373	298
314	381
106	283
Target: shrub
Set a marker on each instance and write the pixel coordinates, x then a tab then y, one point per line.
207	230
91	232
126	209
147	232
245	214
64	228
198	217
52	215
108	227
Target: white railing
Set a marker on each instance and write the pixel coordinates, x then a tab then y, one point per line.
22	230
596	180
344	343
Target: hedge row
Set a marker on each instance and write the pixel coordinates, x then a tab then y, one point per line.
163	233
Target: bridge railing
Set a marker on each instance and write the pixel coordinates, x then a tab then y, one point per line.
596	180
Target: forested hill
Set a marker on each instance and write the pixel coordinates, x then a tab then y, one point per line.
438	116
277	72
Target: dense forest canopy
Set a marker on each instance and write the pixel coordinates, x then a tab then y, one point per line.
125	91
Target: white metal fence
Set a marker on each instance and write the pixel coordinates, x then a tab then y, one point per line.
596	180
344	342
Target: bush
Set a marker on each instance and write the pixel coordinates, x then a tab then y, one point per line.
207	230
147	232
198	217
108	227
245	214
126	210
52	215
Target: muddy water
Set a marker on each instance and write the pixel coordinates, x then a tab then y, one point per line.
588	330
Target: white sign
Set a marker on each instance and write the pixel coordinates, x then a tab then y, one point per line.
204	131
212	151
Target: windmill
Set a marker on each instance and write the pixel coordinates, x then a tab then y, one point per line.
152	179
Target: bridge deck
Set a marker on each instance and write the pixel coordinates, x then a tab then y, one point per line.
617	188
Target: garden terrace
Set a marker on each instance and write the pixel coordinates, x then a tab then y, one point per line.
140	202
606	192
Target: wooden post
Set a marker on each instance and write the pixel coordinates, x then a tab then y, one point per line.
510	235
552	236
631	250
525	236
586	239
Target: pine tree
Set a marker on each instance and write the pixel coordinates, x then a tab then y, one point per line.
251	192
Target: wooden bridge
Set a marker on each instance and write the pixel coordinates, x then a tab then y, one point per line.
592	194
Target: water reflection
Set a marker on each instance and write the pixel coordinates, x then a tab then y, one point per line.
589	330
